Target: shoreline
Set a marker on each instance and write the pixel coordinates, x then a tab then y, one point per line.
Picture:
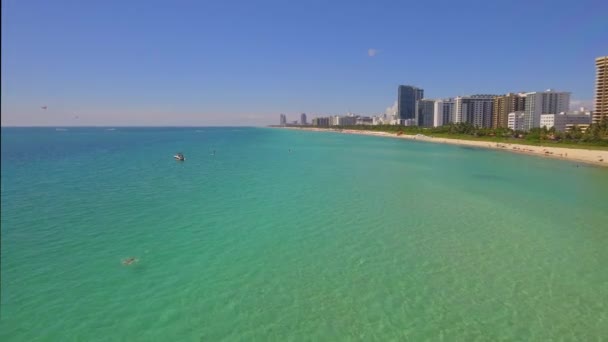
593	157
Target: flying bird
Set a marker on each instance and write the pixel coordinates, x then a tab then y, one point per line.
43	107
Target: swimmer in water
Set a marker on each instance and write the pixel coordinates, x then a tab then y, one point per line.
129	261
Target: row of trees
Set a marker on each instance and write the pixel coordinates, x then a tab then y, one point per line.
596	134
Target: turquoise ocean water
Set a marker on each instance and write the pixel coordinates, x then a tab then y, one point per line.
343	238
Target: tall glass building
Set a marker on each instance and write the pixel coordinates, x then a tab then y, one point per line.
407	98
426	113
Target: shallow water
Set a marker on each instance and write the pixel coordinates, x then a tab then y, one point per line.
343	238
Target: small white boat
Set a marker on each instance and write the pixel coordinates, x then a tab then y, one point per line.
179	157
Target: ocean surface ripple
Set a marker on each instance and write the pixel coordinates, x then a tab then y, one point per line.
288	235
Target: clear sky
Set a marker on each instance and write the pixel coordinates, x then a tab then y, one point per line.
130	62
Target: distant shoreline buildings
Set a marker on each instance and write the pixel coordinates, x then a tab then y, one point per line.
520	111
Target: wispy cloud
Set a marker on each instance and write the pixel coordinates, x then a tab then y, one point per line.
576	104
372	52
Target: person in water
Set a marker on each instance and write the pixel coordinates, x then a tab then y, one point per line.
129	261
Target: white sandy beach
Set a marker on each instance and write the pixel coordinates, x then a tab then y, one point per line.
596	157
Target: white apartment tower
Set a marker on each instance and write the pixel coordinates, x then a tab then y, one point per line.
438	114
545	102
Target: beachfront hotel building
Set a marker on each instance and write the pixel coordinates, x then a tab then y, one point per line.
517	121
438	114
407	103
544	102
448	111
320	122
334	120
505	104
435	113
601	89
303	119
348	120
564	121
283	120
426	113
474	109
364	120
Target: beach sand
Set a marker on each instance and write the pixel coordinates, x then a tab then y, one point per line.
596	157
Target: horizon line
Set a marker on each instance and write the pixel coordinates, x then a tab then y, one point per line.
124	126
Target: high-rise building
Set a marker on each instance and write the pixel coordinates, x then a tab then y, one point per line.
438	113
348	120
474	109
426	112
448	111
419	93
320	122
407	99
601	89
303	119
283	120
544	102
435	113
505	104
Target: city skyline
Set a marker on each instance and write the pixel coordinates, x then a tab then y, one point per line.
520	112
211	64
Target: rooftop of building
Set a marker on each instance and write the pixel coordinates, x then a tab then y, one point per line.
548	91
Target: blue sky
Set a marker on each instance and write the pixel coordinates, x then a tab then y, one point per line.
244	62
